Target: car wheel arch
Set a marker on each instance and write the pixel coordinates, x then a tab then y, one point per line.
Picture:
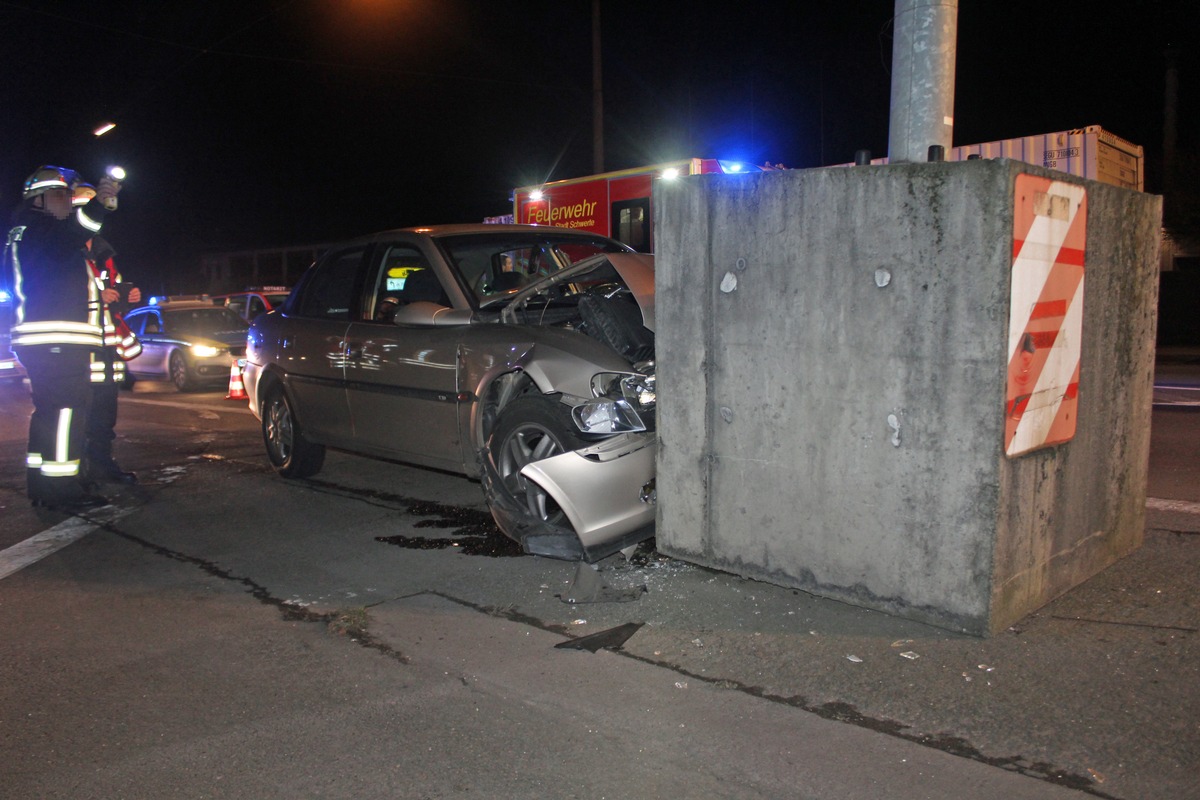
270	378
493	396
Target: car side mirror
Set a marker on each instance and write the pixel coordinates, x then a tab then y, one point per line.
429	314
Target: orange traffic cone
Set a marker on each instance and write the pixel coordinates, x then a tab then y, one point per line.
237	389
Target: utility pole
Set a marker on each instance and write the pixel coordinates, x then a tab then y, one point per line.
923	53
597	94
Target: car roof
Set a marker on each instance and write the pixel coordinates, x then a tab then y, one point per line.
482	228
262	290
174	304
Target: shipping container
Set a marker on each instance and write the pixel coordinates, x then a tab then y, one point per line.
1090	152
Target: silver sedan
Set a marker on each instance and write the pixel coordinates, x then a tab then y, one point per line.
520	355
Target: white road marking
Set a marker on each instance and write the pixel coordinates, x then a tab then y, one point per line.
40	545
50	541
1181	506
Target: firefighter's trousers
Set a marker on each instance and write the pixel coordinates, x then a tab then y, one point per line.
102	417
62	392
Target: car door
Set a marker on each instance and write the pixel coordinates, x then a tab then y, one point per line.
401	379
147	325
312	346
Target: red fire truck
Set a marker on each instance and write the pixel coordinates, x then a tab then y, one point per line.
615	204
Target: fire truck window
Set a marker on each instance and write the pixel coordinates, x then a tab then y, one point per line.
631	223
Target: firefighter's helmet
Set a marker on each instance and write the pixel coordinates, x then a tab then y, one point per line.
47	178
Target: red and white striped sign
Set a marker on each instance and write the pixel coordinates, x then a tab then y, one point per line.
1045	327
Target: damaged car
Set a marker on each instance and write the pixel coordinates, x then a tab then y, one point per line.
522	356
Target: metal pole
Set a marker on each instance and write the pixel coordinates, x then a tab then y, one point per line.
923	53
597	94
1170	116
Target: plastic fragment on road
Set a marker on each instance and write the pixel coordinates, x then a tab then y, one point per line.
910	655
854	658
611	639
588	587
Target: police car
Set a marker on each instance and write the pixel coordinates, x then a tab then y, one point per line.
10	367
193	343
252	302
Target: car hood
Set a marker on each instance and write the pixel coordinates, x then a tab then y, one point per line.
636	269
225	338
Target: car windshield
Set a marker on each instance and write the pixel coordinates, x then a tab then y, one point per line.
202	321
496	265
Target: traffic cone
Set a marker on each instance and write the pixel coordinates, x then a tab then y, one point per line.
237	389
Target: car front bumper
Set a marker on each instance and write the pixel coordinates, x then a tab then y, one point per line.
604	490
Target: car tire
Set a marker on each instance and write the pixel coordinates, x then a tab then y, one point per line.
529	429
289	452
178	369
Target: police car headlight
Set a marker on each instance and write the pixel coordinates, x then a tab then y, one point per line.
205	351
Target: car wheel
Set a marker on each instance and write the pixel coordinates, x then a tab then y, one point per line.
177	365
530	429
290	453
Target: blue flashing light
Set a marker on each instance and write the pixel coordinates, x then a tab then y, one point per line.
5	296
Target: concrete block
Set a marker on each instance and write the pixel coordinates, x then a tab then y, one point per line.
833	356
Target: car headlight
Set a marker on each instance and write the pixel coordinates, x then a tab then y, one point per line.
607	416
205	351
623	400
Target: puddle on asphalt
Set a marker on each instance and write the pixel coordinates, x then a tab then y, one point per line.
470	531
473	532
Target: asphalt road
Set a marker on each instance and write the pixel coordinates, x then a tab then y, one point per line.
221	632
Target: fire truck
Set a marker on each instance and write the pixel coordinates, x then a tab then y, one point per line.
616	204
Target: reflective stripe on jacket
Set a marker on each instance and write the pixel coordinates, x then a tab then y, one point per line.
58	302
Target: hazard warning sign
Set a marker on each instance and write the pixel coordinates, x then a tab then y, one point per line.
1045	327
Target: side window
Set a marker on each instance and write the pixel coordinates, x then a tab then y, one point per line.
152	325
136	323
329	293
403	277
256	307
237	305
631	223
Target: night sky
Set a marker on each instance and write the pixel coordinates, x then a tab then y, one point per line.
265	123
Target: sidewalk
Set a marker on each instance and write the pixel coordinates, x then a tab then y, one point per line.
1098	691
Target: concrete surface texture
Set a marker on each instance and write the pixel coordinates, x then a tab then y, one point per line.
833	361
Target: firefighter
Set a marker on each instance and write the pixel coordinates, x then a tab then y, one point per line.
57	328
108	365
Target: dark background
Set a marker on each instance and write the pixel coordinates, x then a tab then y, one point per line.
271	123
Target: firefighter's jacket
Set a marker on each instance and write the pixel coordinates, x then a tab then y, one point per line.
120	343
58	299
